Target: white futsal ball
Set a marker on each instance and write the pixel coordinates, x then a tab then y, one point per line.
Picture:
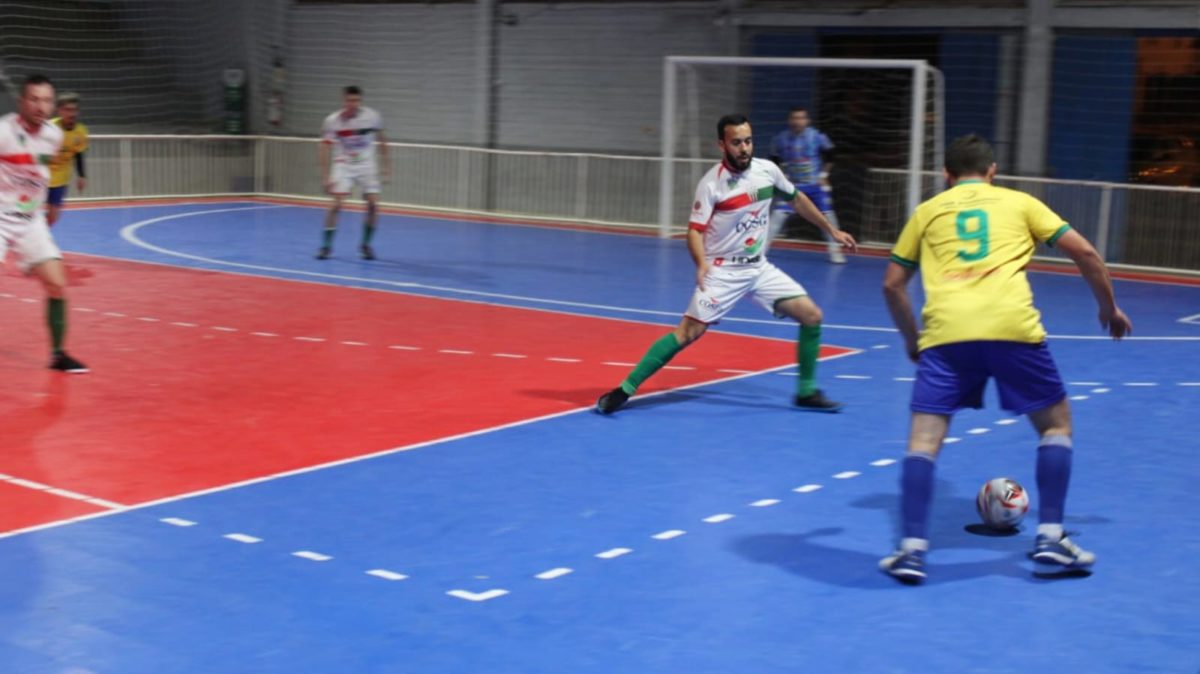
1002	503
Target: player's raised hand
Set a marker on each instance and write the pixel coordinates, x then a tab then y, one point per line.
846	239
1116	323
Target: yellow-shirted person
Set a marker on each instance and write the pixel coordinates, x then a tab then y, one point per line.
75	143
971	244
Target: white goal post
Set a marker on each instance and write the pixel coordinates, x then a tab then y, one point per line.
925	116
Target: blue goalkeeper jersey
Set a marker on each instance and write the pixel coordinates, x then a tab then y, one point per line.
800	154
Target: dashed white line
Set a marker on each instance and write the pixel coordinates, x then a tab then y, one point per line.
804	489
114	314
243	538
881	346
1006	422
617	364
401	347
30	300
846	474
1079	397
553	573
457	352
148	319
668	534
1189	383
1140	383
763	503
883	462
85	310
177	522
851	376
678	367
718	518
904	378
477	596
183	324
613	553
951	441
314	556
223	328
732	371
350	343
509	355
309	339
564	360
264	334
1101	390
979	431
386	575
1086	383
788	374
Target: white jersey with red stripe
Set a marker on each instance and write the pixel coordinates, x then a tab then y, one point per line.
25	167
353	138
733	211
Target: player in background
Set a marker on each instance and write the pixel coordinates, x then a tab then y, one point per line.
347	159
75	143
728	237
803	153
28	143
972	243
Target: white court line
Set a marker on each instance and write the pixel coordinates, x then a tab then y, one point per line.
614	553
678	367
1101	390
904	378
309	339
1006	422
763	503
951	441
223	328
852	376
556	359
352	343
477	596
356	459
979	431
314	556
177	522
846	474
243	538
554	573
401	347
386	575
509	355
458	352
1189	383
182	324
668	534
264	334
1079	397
805	489
717	519
61	493
1086	383
883	462
1143	384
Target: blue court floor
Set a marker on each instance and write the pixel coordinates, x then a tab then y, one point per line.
712	529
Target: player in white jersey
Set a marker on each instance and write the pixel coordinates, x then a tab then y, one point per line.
347	160
28	142
728	236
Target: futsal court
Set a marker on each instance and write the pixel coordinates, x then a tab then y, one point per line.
279	464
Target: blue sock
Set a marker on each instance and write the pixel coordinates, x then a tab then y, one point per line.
1053	475
916	493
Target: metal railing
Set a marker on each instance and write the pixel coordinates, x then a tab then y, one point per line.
1136	225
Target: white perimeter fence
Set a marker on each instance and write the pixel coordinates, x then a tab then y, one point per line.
1132	225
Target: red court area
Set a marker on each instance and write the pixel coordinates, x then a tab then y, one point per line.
201	379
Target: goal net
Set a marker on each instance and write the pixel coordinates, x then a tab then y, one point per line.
884	118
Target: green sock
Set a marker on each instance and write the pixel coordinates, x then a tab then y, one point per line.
327	240
56	318
368	232
660	353
806	354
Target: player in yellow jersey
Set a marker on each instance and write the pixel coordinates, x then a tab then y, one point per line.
971	244
75	143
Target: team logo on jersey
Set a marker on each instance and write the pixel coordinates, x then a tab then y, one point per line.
752	245
26	204
709	303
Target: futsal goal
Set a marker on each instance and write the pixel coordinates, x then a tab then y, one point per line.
885	118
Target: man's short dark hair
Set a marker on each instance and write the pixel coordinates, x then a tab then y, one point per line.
798	108
33	81
352	90
730	120
969	155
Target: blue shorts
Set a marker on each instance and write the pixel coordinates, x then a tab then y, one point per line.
55	195
953	376
815	193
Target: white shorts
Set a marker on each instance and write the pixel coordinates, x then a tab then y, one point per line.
30	240
723	287
345	177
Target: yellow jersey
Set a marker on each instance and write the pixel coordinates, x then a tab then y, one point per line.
75	141
972	244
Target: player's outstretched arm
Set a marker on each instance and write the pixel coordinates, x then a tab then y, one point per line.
809	211
1092	267
895	291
